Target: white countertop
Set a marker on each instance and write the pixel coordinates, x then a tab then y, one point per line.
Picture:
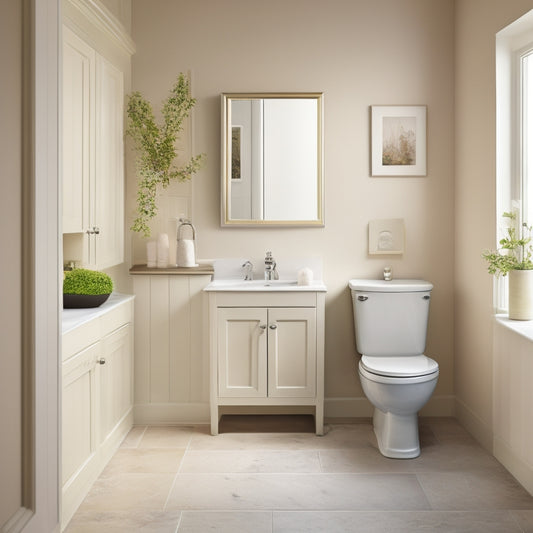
263	286
72	318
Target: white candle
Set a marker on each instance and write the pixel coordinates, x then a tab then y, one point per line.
162	250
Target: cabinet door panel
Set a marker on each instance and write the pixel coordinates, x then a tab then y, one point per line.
292	352
115	379
79	410
242	345
78	117
109	180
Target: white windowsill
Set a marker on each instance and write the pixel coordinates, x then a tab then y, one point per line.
522	327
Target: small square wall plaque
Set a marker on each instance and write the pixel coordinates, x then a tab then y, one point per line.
386	236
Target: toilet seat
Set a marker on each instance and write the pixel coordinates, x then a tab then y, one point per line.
399	367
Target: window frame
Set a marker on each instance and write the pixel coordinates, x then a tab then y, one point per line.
513	43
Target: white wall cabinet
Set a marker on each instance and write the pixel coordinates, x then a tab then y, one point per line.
267	349
93	152
78	116
97	393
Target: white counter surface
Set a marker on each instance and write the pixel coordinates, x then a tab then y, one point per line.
72	318
238	285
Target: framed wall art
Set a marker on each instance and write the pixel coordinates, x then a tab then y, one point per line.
398	135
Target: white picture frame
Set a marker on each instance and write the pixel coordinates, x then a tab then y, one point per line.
399	142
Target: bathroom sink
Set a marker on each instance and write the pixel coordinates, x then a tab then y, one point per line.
263	285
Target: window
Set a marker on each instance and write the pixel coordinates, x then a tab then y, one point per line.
526	142
514	130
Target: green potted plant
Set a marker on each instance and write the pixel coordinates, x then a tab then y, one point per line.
515	257
85	288
156	150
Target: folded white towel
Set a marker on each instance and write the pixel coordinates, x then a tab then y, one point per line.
185	253
305	276
151	254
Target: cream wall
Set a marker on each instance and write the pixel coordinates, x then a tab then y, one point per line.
358	53
476	23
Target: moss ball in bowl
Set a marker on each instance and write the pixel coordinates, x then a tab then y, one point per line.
85	288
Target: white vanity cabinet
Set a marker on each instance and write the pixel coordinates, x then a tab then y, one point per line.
267	349
171	358
97	393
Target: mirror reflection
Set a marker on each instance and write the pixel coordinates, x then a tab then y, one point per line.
272	159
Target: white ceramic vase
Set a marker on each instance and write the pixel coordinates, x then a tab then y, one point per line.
521	294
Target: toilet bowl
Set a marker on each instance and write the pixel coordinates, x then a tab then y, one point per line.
397	400
397	378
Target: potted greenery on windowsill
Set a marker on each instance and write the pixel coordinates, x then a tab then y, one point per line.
515	257
156	150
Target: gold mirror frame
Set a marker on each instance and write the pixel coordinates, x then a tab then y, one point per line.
226	162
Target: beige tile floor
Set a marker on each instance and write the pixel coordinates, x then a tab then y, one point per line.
272	474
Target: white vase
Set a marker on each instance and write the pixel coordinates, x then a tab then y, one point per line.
521	294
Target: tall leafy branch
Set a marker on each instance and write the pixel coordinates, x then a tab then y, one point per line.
156	148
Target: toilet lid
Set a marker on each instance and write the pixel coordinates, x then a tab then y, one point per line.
407	366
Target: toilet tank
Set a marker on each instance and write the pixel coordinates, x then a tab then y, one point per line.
390	316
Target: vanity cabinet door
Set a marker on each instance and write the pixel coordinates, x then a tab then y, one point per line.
242	352
115	380
79	415
292	352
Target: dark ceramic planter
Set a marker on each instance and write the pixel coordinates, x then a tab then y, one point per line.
81	301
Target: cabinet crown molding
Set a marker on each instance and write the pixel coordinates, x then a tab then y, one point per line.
101	18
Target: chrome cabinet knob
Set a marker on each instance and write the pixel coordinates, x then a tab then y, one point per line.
273	326
101	361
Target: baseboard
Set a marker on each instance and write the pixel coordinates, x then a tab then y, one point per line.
479	429
341	408
519	468
441	406
166	414
347	408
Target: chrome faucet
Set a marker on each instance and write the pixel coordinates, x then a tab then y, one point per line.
248	271
270	267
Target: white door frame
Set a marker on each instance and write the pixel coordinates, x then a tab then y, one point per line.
39	509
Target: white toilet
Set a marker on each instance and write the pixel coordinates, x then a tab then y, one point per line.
390	329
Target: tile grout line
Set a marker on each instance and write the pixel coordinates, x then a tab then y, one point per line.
178	473
179	522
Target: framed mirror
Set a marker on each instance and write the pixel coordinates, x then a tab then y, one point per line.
272	159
